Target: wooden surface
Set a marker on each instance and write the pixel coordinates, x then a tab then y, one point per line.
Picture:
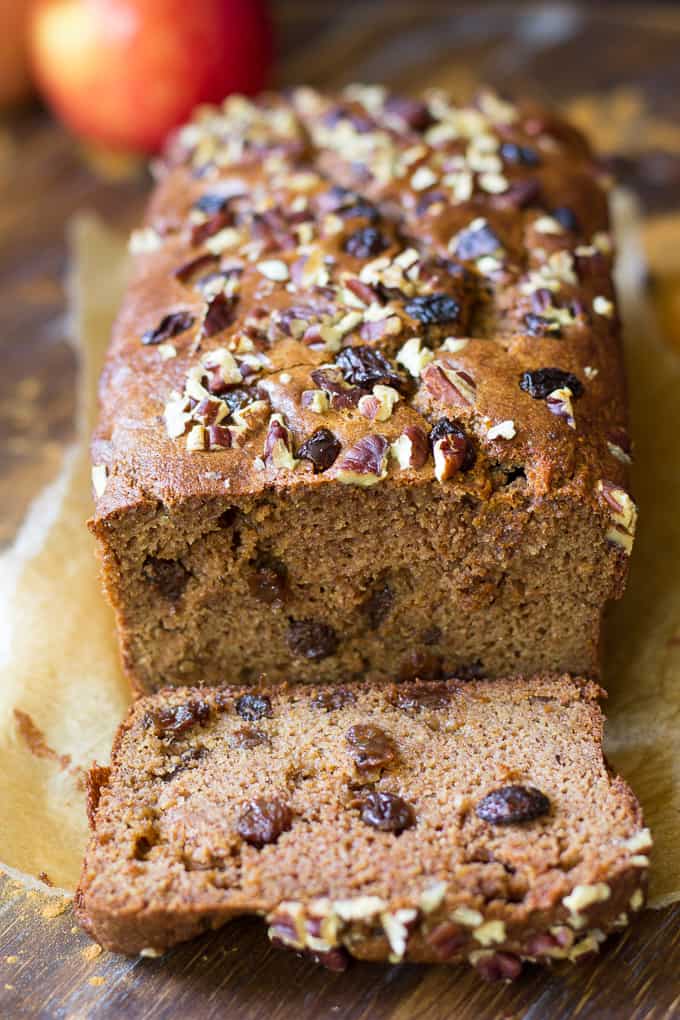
615	67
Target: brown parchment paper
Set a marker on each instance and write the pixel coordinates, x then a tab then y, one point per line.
58	660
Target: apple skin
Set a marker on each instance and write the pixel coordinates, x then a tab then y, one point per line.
124	73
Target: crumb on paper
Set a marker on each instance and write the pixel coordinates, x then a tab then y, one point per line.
96	981
91	952
34	738
11	959
56	908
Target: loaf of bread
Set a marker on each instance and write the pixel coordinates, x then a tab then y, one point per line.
425	821
363	410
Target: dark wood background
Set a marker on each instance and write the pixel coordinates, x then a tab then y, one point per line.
616	68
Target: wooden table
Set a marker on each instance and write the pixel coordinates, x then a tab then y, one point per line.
616	68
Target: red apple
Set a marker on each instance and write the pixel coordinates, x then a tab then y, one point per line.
125	72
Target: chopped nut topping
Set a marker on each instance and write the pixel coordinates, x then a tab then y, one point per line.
470	918
623	513
278	445
379	405
642	840
548	225
361	908
317	401
146	239
637	899
274	269
494	183
365	463
449	384
100	474
411	449
582	897
432	897
603	306
490	932
423	178
395	925
197	439
414	357
559	403
504	430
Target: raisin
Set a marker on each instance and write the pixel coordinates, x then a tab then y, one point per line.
248	737
412	113
446	427
169	577
521	154
262	821
179	718
268	582
187	758
567	217
364	367
334	698
432	309
387	812
421	665
219	314
371	746
252	707
538	325
543	381
377	606
364	243
472	244
210	203
363	210
322	449
416	698
311	639
169	326
510	805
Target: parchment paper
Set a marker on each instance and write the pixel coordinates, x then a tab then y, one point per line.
58	659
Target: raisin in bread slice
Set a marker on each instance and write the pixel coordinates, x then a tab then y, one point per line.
422	821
